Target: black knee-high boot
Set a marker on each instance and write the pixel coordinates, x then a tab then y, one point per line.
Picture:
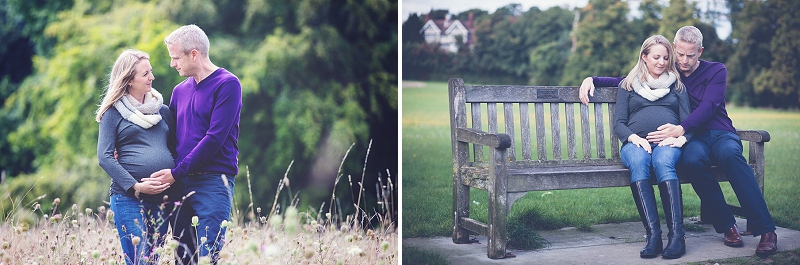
672	200
645	200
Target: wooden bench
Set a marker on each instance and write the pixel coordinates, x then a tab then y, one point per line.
522	159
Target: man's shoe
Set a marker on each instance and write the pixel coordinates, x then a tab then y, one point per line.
732	237
768	244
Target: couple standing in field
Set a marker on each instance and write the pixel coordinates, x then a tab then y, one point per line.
171	165
670	114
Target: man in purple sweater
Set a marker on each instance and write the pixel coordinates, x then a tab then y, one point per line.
715	142
206	107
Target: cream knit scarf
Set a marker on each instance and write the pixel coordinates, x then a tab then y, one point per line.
143	114
653	89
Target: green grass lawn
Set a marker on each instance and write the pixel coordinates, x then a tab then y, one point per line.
427	175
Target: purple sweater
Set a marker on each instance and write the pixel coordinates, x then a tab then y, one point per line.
706	87
207	124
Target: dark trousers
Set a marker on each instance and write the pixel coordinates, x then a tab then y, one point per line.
210	198
724	149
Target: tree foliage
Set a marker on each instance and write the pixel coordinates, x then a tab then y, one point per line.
560	47
317	77
604	43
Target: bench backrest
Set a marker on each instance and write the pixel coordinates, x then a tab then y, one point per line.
540	119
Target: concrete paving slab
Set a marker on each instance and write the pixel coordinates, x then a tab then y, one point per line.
606	244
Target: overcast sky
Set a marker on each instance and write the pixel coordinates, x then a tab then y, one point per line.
458	6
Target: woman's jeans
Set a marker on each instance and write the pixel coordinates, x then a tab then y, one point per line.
146	221
640	163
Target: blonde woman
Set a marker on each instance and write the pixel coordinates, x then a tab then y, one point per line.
652	95
136	125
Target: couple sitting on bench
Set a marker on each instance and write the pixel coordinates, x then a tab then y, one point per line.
668	99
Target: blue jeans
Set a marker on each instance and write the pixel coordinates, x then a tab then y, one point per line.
135	218
724	149
640	163
211	201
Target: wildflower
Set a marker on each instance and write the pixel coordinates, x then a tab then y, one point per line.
349	238
95	254
46	217
195	221
110	215
74	222
355	251
258	210
276	220
56	201
37	206
136	240
75	208
88	211
172	245
291	212
6	245
223	224
385	245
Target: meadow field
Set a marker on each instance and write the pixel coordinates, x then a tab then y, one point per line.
281	235
427	175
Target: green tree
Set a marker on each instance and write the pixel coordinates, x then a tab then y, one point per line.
411	28
679	13
57	103
604	46
760	68
779	80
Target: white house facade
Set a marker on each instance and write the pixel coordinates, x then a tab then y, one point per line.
447	33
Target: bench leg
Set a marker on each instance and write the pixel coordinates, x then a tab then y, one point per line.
460	210
497	224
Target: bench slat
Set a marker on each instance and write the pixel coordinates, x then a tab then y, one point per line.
491	113
525	130
586	139
534	94
599	131
571	145
614	138
508	115
541	143
555	126
477	150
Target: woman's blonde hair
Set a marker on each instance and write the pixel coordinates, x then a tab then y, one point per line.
640	69
122	73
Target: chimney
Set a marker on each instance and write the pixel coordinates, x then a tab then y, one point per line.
469	22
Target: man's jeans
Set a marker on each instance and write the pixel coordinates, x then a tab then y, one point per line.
724	149
209	197
135	218
639	162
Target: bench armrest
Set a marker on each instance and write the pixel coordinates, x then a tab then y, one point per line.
758	136
495	140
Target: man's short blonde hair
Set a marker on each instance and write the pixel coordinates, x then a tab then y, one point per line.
690	34
189	37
